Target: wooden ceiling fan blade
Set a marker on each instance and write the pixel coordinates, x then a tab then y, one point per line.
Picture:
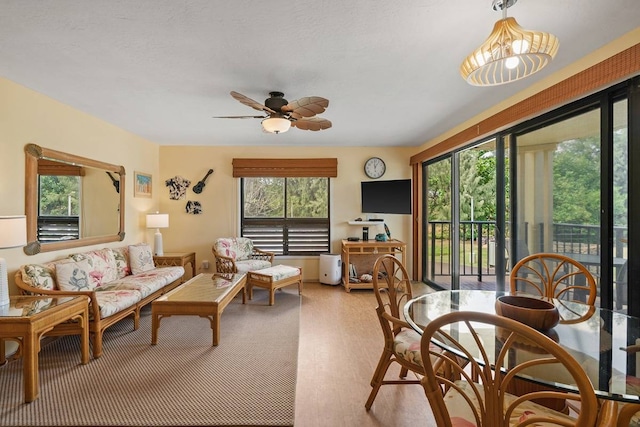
250	102
308	106
239	117
312	123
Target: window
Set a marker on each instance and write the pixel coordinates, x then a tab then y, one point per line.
59	195
287	216
58	207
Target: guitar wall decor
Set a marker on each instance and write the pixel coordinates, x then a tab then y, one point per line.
116	183
200	185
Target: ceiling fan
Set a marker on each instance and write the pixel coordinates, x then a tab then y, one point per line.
281	114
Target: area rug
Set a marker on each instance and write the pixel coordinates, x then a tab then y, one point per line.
249	379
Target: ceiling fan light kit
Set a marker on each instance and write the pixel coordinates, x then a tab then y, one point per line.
276	125
510	52
281	114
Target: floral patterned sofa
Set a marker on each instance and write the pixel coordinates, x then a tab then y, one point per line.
118	282
238	255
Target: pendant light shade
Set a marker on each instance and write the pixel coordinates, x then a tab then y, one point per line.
510	53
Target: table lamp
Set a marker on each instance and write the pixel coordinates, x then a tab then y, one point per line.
157	221
13	233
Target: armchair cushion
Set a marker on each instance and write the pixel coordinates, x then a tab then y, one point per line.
238	248
238	255
247	265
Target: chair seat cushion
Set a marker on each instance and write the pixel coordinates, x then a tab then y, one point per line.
406	345
462	415
248	265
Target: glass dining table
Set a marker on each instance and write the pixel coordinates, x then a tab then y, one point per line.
604	342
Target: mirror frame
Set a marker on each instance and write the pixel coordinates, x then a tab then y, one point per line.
33	154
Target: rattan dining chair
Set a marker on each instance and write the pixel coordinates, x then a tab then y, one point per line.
485	402
392	288
553	275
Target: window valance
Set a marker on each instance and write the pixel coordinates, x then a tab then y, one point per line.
285	168
50	167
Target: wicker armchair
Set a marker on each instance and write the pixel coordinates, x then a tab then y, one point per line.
490	343
238	255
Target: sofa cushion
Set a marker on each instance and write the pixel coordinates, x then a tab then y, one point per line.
112	302
121	256
140	258
238	248
102	265
41	276
73	276
148	282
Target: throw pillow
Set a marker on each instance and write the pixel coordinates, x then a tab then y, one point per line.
122	261
73	276
102	266
141	258
39	275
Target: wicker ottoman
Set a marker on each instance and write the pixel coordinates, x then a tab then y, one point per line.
273	278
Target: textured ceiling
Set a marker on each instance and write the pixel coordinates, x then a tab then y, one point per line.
163	68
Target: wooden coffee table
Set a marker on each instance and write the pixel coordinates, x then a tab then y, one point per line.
27	318
205	295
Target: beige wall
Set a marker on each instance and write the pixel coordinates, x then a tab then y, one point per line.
220	198
29	117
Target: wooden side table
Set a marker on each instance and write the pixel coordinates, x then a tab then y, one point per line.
27	318
177	259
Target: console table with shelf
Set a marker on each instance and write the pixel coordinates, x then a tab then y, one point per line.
363	254
365	226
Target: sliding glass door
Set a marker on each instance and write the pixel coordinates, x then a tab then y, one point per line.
438	264
462	210
558	183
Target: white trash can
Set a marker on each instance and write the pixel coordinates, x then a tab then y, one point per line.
330	269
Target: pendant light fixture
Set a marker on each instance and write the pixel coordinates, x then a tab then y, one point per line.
510	52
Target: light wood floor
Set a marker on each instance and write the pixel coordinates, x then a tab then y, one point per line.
340	344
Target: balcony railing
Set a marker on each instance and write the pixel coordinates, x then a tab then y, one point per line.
478	249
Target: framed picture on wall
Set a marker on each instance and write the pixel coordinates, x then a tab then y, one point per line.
142	184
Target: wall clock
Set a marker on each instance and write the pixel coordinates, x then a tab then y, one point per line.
375	167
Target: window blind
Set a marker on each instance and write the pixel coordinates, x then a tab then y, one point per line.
285	168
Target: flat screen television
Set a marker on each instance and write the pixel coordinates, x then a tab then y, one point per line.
388	197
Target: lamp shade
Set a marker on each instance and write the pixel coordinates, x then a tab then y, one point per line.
276	124
157	220
510	53
13	231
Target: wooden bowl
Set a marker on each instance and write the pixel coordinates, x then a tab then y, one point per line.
534	312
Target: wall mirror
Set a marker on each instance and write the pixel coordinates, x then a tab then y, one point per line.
71	201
